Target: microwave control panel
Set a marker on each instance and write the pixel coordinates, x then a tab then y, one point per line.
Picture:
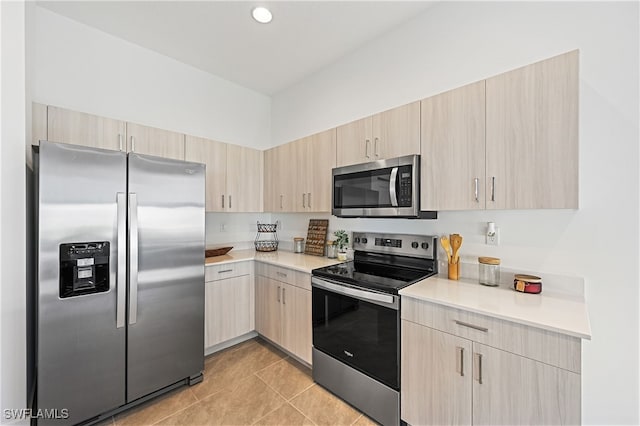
405	184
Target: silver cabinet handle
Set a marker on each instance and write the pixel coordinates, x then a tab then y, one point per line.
225	270
223	201
303	198
283	300
367	145
229	201
281	201
392	187
133	258
479	359
120	141
282	274
133	144
475	182
493	188
375	146
460	362
475	327
121	282
309	199
278	294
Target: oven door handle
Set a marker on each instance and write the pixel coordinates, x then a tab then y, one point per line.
393	180
387	300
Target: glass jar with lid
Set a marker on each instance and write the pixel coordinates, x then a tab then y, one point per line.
298	245
489	271
332	250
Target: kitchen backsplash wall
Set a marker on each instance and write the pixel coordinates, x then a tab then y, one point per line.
236	229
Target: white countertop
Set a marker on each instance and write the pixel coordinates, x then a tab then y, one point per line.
286	259
547	311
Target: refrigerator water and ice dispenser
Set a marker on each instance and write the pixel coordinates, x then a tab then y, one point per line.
84	268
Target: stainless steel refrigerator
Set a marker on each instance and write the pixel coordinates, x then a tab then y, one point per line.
119	298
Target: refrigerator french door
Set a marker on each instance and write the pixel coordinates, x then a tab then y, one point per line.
120	278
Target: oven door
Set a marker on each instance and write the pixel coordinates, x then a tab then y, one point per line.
384	188
358	327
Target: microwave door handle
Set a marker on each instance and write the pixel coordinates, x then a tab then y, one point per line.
392	187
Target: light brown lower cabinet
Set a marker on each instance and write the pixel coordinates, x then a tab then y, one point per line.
283	311
449	379
229	302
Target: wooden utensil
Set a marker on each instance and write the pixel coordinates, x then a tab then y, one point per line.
456	243
444	242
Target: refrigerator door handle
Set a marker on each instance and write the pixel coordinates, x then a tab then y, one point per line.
133	258
121	281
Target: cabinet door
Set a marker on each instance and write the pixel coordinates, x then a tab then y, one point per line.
532	136
300	151
269	182
78	128
396	132
296	321
519	391
268	308
227	309
452	166
244	179
436	377
353	142
320	159
157	142
214	155
286	174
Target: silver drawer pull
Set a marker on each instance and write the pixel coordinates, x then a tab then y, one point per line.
282	274
225	270
479	358
475	327
461	360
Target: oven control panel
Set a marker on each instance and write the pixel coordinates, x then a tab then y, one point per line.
399	244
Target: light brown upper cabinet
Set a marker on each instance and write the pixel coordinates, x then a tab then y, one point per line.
214	155
388	134
509	142
244	179
151	141
316	157
280	178
79	128
234	174
532	136
453	148
298	174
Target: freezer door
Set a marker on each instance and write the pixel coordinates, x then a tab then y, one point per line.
80	344
165	340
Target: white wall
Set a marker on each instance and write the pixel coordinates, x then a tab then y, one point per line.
81	68
12	208
455	43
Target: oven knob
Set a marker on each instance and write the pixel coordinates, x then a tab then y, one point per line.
364	240
356	240
414	245
425	246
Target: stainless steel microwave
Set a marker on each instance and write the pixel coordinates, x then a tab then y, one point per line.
383	188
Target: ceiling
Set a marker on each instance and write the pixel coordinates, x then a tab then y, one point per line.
221	38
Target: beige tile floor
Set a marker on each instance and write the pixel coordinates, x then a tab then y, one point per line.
252	383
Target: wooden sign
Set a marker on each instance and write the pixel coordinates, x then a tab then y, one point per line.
316	237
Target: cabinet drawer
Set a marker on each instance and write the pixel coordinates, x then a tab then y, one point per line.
285	275
545	346
226	270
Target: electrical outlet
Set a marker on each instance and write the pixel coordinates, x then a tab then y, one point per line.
223	227
493	238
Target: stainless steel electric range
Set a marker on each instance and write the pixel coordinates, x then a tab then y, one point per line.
356	319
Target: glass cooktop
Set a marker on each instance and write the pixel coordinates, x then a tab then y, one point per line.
387	278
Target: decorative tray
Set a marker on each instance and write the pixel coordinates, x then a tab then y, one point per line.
217	252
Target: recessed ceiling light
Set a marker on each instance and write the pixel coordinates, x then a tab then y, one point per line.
262	15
